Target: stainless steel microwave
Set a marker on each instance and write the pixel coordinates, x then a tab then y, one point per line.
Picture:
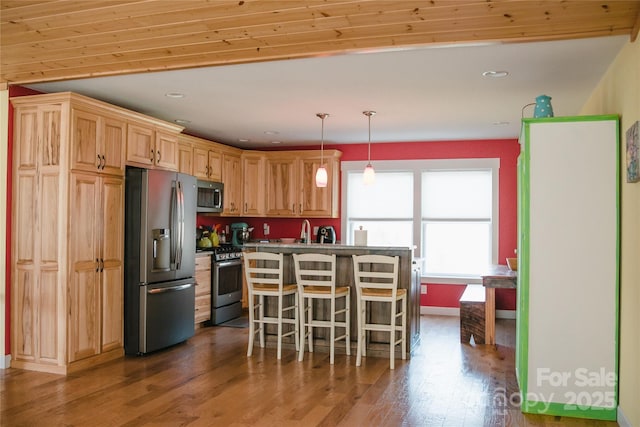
210	196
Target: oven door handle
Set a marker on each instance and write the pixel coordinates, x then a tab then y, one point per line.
229	263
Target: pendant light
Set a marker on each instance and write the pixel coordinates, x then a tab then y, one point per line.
321	174
369	174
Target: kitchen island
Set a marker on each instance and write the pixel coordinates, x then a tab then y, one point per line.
409	279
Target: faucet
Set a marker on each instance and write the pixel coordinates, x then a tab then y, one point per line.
305	233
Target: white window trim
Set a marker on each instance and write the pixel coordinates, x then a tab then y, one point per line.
417	167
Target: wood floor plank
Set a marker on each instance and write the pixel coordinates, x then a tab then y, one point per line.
209	381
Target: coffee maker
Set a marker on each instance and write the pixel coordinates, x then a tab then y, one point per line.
326	234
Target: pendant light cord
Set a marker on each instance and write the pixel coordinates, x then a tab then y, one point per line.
322	117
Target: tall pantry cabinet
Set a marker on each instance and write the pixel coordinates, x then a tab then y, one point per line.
568	250
67	231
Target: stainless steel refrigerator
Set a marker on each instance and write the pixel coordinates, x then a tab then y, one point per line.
160	226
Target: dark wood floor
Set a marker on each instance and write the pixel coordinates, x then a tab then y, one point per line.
209	381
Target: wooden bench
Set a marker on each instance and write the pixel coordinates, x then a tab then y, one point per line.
472	314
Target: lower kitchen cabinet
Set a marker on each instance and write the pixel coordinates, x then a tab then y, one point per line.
203	287
97	258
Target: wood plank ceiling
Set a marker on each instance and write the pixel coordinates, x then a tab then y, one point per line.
48	40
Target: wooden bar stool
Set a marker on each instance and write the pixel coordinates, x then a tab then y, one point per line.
264	275
376	278
316	279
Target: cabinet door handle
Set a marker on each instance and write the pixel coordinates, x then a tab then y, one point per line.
300	208
152	156
158	153
99	162
101	265
246	208
293	208
104	162
97	265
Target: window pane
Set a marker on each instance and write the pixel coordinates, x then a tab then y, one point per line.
456	194
384	233
391	196
456	247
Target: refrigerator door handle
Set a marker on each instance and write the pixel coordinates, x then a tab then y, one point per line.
180	242
169	289
174	224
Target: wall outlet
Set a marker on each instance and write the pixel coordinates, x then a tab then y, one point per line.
315	230
423	289
266	229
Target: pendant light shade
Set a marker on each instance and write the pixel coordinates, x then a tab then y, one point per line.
369	176
321	174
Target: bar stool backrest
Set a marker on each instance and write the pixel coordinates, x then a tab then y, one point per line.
376	272
263	268
315	270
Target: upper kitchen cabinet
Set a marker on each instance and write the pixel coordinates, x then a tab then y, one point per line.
232	180
253	189
291	188
67	232
207	158
153	144
185	157
97	142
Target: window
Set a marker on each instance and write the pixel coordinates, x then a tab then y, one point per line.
456	220
384	209
445	209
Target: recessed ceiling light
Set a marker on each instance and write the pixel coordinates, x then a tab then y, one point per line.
243	140
496	74
500	123
174	95
275	142
271	132
182	121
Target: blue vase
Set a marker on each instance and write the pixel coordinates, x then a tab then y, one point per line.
543	107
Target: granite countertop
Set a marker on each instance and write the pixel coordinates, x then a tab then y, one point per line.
318	245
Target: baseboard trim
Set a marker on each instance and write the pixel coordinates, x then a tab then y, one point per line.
5	362
505	314
440	311
455	311
622	420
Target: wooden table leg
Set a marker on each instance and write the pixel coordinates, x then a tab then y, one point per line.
490	316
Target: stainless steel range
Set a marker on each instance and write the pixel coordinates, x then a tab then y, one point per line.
226	283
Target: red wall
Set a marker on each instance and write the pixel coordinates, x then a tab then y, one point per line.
437	295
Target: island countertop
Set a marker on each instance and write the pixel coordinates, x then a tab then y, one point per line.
409	278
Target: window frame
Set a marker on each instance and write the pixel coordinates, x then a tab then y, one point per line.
417	167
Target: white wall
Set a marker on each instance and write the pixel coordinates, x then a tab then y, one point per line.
619	93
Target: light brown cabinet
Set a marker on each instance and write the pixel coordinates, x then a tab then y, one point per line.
203	288
290	184
97	142
96	263
148	146
207	158
232	179
253	183
38	244
185	157
208	163
68	229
